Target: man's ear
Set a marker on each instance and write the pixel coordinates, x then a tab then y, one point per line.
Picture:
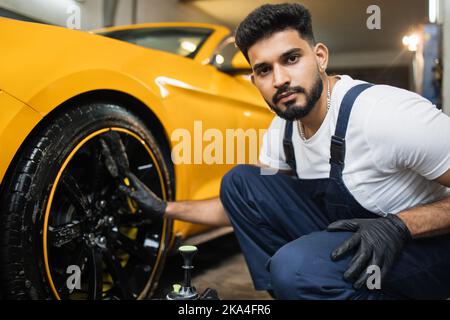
321	52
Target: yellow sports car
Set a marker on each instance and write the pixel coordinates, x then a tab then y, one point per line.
65	231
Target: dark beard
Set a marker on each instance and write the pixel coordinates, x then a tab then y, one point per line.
294	112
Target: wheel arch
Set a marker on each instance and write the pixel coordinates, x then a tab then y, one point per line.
123	99
133	104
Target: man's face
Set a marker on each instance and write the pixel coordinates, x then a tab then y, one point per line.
286	72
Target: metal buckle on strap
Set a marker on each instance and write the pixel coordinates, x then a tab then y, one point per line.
337	151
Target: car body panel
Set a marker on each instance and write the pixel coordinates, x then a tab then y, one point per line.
12	113
44	66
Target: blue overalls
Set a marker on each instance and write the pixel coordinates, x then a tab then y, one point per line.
280	224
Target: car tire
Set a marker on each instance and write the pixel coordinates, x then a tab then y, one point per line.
44	223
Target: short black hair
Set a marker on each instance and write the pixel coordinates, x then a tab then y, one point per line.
271	18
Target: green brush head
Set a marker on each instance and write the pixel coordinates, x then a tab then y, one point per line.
187	248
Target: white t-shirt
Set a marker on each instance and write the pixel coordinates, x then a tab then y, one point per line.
396	143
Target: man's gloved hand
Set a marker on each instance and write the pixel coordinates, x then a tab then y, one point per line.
117	164
378	242
147	201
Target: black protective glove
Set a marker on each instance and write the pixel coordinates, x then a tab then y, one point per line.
147	201
117	164
378	242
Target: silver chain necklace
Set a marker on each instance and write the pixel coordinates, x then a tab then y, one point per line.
299	123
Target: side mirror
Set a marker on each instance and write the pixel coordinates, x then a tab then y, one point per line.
239	65
239	62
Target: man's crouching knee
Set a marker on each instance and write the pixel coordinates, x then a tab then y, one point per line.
303	270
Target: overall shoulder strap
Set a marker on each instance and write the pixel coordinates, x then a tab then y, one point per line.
337	148
289	147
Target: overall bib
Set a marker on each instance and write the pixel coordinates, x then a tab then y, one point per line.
280	224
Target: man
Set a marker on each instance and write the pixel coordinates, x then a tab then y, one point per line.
373	167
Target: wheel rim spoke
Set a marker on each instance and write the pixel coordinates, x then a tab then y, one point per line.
132	247
63	234
73	192
98	170
95	272
134	220
117	272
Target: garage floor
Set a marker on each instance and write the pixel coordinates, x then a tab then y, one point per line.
220	265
